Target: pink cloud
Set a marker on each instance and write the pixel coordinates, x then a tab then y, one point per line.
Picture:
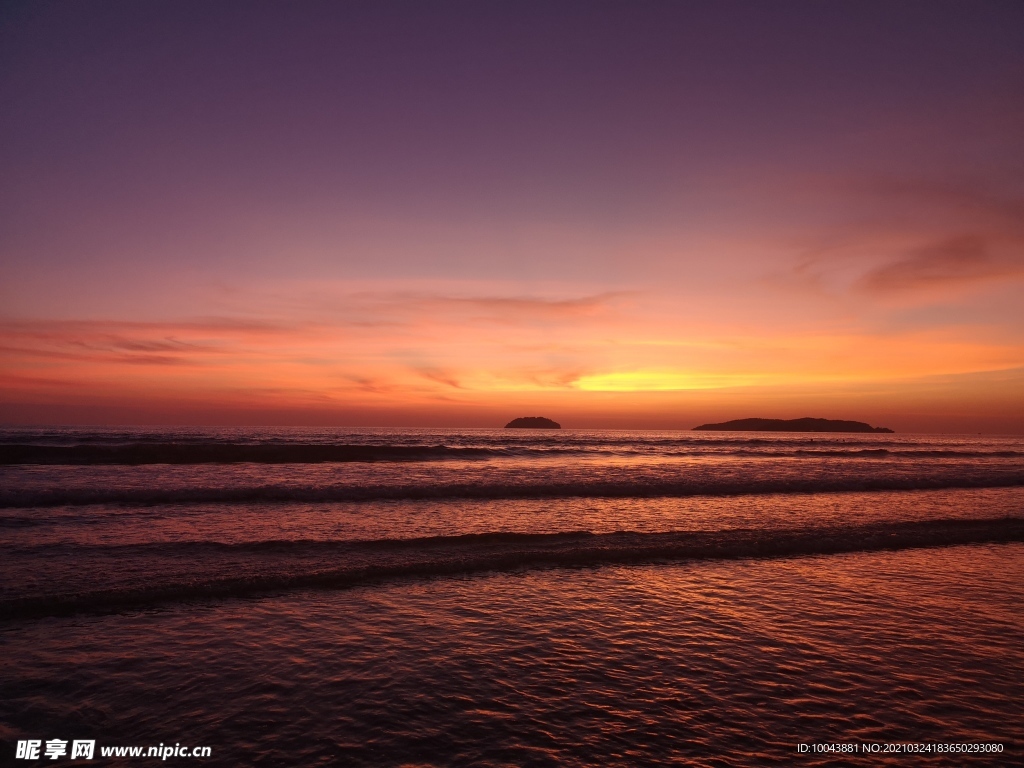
950	262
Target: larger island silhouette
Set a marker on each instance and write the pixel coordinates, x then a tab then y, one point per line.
792	425
533	422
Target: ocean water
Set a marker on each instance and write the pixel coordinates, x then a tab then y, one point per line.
496	597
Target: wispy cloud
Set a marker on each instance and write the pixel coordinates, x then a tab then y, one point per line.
950	262
964	196
911	237
390	306
439	376
520	306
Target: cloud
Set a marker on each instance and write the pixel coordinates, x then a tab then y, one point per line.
404	309
85	344
110	342
146	334
966	198
900	237
438	376
585	305
950	262
496	309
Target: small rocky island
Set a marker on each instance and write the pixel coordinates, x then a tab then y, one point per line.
532	422
792	425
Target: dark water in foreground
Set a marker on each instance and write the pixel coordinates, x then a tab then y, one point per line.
495	598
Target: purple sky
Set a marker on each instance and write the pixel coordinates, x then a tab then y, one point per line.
842	176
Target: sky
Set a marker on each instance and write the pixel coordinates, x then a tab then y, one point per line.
615	214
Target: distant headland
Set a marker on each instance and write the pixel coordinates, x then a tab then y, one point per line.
532	422
792	425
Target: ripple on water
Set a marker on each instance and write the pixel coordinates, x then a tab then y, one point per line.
713	663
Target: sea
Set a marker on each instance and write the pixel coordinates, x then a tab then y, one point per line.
473	597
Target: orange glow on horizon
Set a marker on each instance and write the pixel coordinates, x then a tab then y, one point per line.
422	356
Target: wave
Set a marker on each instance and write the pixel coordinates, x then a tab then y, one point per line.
19	522
229	453
140	453
295	564
916	454
643	488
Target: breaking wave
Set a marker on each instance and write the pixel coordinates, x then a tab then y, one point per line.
213	452
259	568
230	453
677	487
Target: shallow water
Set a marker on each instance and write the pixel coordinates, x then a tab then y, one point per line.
712	663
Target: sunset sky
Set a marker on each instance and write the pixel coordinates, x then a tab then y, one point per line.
615	214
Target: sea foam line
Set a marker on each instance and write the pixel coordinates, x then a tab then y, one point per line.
351	564
291	453
686	485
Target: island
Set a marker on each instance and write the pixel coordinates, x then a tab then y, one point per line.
532	422
792	425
